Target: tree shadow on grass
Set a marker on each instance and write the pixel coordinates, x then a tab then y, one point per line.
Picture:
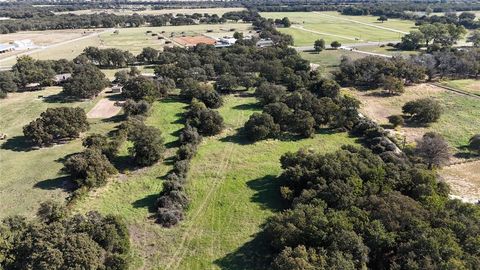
248	107
267	192
124	163
147	202
253	255
237	138
59	98
18	144
62	182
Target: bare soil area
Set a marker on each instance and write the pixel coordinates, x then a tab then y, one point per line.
105	108
464	180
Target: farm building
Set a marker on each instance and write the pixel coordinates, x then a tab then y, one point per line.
6	48
23	44
117	88
225	42
264	43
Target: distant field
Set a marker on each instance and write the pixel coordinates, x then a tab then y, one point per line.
231	187
468	85
135	39
460	119
31	176
331	25
218	11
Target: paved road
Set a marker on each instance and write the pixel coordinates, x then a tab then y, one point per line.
352	45
52	46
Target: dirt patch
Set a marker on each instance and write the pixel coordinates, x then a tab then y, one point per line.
43	38
192	41
379	107
105	108
464	180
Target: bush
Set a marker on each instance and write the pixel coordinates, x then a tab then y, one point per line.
189	135
101	142
131	107
261	126
56	124
186	152
396	120
208	122
89	168
474	143
423	111
169	217
393	85
148	145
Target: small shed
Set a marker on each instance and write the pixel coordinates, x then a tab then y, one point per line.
117	88
265	43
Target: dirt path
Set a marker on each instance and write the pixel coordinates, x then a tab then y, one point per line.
105	108
362	23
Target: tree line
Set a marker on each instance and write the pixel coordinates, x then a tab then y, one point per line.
54	240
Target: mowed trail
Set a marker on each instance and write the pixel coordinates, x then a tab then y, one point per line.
362	23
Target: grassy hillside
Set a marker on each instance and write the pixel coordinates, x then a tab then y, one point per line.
232	189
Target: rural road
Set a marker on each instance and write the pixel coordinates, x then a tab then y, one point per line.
52	46
321	33
363	23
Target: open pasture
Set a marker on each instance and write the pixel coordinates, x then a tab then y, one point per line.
310	26
329	60
29	176
232	189
464	180
459	121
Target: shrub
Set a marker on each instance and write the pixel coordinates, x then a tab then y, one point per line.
131	107
474	143
433	149
148	145
189	135
208	122
393	85
396	120
89	168
423	111
261	126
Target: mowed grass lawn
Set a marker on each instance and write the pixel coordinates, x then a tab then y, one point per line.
28	177
459	121
232	189
469	85
333	26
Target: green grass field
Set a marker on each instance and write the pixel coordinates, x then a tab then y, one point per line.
329	59
231	187
469	85
31	176
333	26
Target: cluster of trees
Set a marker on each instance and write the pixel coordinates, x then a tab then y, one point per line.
300	112
56	125
373	72
86	80
434	36
173	200
352	210
106	58
422	111
465	19
55	241
37	22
